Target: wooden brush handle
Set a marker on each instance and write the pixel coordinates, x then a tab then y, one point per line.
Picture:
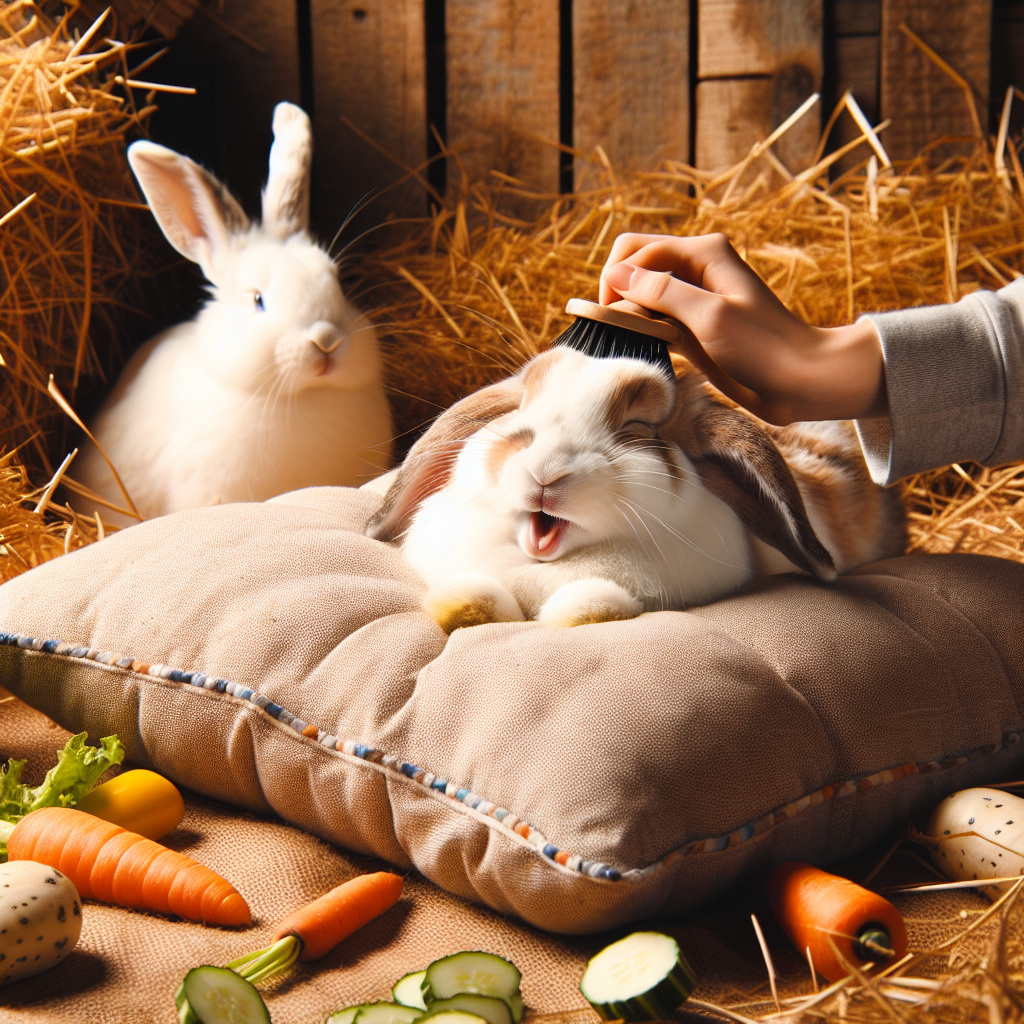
631	316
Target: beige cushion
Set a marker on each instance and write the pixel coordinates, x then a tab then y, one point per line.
594	775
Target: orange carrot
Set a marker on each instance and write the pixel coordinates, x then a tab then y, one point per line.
108	863
322	924
813	906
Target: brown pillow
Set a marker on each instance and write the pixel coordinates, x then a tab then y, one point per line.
271	656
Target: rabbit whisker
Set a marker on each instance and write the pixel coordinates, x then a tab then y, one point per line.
636	475
688	475
356	209
662	593
685	499
377	227
689	543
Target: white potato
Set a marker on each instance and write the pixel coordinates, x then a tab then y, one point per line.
979	833
40	919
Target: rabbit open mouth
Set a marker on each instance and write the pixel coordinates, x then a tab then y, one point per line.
542	535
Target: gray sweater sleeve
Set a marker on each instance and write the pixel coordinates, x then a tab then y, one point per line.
955	382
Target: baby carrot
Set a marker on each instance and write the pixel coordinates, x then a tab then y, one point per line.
110	864
322	924
314	930
813	907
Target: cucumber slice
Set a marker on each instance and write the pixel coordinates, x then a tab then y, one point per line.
515	1004
491	1008
345	1016
186	1015
640	977
408	991
457	1017
384	1013
472	971
218	995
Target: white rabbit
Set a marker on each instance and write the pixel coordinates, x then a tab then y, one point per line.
274	385
586	490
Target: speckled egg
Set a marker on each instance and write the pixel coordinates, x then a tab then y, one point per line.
40	919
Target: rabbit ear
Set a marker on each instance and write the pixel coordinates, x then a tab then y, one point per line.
286	197
738	462
428	465
195	211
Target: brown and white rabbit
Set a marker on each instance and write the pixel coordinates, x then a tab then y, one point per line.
275	384
587	490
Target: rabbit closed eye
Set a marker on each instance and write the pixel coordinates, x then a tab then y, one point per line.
274	385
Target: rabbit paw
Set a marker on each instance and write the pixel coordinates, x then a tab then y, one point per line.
470	599
586	601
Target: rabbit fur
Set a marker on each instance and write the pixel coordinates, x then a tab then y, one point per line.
274	385
587	490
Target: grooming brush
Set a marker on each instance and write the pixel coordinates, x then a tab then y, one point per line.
623	330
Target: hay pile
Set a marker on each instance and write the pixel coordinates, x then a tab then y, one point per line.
967	967
464	299
78	253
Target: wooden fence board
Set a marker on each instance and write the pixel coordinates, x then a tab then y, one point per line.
631	88
369	66
502	64
856	17
779	42
855	67
1007	61
242	61
732	114
923	101
758	37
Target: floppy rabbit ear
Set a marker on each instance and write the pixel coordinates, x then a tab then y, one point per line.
286	197
195	211
738	462
428	465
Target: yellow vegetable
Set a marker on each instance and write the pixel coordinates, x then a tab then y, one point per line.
140	801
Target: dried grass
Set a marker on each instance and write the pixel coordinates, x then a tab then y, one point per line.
466	297
27	537
78	256
967	968
73	261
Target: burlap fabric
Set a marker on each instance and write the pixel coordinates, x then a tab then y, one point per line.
127	965
793	720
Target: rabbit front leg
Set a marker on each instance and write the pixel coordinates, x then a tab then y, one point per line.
588	601
470	599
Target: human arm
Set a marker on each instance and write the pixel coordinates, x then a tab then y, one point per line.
955	379
746	341
927	386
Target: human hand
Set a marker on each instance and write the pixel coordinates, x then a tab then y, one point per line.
746	341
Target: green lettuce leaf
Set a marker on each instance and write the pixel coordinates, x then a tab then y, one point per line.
77	770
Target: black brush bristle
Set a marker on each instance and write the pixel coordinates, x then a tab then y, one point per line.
609	341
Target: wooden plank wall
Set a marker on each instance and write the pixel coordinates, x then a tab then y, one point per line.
852	50
503	90
369	68
240	56
922	100
1007	60
631	81
757	61
641	70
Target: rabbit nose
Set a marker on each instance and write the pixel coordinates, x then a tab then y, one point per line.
545	476
326	337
